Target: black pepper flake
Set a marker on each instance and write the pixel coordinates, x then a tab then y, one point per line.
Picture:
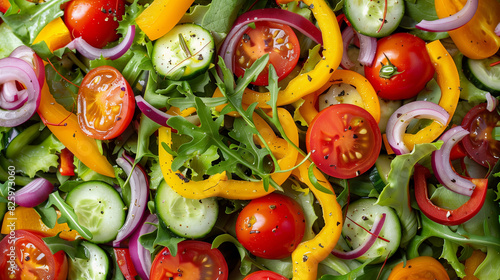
186	180
321	245
304	258
331	70
439	57
311	6
355	136
309	78
338	223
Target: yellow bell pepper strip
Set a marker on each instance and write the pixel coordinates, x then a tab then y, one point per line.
476	39
161	16
64	125
55	34
449	82
313	80
219	185
365	89
308	254
28	219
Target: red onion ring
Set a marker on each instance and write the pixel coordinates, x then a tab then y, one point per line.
141	257
34	193
27	54
115	52
442	167
138	200
15	69
399	120
452	22
361	250
367	48
151	112
491	102
11	98
269	14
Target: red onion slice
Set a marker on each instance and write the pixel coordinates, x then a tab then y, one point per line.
141	257
115	52
34	193
442	167
497	29
367	48
138	200
151	112
15	69
27	54
399	120
347	36
360	250
491	102
269	14
452	22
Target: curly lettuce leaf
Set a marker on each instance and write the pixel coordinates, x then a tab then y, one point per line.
41	157
396	192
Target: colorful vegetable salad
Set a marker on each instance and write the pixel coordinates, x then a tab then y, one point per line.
249	140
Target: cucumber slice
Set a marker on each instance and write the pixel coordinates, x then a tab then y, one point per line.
191	218
363	211
366	16
96	267
184	52
482	75
99	208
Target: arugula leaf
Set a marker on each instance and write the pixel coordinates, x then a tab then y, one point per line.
67	215
32	17
160	236
72	248
47	215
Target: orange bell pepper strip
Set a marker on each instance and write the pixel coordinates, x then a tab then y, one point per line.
161	16
28	219
365	89
449	82
55	34
476	39
422	267
219	185
313	80
307	256
471	264
64	125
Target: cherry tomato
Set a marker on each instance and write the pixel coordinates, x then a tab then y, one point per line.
344	140
276	39
271	227
26	256
105	103
401	67
94	20
195	260
480	144
4	5
423	267
264	275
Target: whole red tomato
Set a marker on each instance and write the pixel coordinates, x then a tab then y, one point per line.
401	67
271	227
94	20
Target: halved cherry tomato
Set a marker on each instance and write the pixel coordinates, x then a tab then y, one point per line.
105	103
95	21
401	68
422	267
195	260
271	227
276	39
344	140
26	256
264	275
480	144
125	263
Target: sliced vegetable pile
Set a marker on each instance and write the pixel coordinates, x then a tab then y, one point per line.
248	140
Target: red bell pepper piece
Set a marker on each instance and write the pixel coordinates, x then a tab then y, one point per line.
442	215
125	263
66	167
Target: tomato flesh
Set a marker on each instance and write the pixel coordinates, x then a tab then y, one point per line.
413	67
105	103
25	256
195	260
277	40
344	140
95	21
480	144
271	226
